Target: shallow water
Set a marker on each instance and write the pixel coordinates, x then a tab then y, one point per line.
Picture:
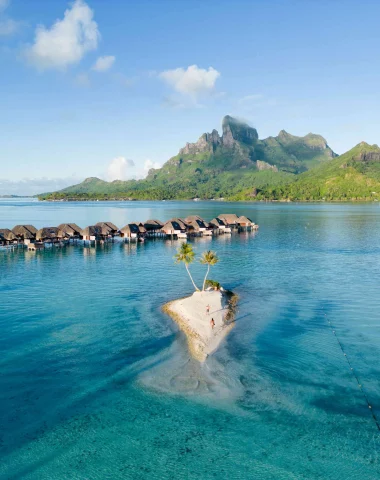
96	383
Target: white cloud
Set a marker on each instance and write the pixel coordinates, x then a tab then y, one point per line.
120	168
33	186
103	64
192	81
67	41
148	164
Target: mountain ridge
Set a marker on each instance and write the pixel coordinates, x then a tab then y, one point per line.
239	165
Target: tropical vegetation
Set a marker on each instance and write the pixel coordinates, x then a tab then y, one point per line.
186	255
240	166
210	259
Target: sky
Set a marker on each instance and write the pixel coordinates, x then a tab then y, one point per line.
111	88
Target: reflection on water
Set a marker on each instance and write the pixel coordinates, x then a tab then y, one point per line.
97	383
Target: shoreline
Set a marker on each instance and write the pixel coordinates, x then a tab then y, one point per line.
189	313
212	200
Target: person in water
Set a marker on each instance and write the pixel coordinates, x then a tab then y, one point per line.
212	323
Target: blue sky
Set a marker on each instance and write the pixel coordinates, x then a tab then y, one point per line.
110	88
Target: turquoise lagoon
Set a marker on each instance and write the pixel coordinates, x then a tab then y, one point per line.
97	383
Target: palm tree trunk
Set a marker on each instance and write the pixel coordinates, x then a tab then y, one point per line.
204	281
191	278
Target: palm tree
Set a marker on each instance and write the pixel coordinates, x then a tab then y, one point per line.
210	258
186	254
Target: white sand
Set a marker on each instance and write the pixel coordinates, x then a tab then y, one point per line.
190	314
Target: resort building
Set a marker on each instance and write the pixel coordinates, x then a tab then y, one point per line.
180	221
25	234
197	226
175	228
230	219
220	226
133	231
152	227
108	229
92	233
7	237
50	235
193	225
246	223
70	230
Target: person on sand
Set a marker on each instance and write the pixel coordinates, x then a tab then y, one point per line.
212	323
208	310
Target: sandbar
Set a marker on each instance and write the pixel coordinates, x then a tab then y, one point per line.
190	313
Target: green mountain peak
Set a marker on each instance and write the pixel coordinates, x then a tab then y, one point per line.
239	165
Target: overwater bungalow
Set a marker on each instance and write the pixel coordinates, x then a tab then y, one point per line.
25	234
180	221
174	228
102	231
133	231
7	237
197	226
220	226
71	230
152	227
109	229
210	229
230	219
246	223
92	233
50	235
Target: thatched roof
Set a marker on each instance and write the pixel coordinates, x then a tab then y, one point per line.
113	226
194	218
70	229
91	231
49	233
108	228
196	224
6	234
132	228
218	222
25	232
152	224
31	228
244	219
229	218
180	221
172	225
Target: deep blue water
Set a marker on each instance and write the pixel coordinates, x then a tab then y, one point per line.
96	383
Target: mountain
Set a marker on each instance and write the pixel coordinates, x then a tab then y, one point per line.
354	175
216	166
239	147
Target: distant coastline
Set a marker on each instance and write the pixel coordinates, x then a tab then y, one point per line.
15	196
287	200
